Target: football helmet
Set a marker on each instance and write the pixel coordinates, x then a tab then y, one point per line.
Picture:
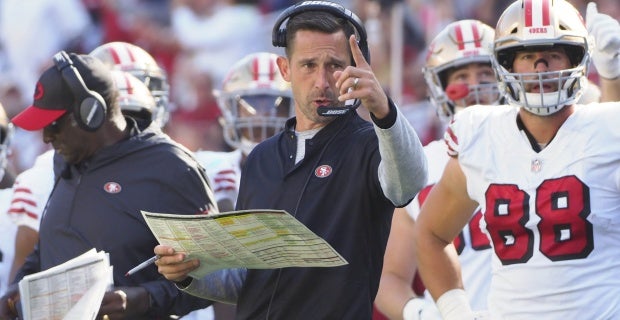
460	43
135	60
255	101
6	137
134	97
528	24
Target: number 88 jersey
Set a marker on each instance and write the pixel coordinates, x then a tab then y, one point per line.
553	216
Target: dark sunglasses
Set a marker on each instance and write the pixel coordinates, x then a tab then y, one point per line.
57	124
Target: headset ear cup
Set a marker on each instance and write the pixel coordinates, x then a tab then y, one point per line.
281	38
90	109
91	112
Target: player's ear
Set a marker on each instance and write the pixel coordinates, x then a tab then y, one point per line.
283	65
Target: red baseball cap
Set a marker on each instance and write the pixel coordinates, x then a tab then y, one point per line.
53	97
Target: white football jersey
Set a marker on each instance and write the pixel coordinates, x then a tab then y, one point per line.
224	172
472	244
553	217
8	230
31	190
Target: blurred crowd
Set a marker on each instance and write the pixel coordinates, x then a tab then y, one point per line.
196	41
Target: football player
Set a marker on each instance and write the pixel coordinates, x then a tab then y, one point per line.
543	170
458	73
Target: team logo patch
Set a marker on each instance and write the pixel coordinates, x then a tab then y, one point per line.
112	187
323	171
38	91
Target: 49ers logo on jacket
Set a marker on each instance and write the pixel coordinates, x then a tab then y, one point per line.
323	171
112	187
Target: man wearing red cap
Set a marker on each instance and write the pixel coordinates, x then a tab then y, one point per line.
106	170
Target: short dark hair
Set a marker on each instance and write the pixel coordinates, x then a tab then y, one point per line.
316	21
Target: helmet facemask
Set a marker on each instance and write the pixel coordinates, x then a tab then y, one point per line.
255	117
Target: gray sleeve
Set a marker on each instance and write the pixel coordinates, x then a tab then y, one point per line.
222	286
403	167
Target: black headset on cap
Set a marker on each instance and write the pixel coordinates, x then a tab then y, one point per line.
90	108
278	37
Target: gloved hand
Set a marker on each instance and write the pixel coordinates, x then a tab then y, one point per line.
420	309
606	33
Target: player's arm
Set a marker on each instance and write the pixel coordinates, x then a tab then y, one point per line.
399	267
25	240
445	212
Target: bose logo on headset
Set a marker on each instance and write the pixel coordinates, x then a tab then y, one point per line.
89	109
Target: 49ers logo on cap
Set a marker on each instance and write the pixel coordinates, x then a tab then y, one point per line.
38	91
323	171
112	187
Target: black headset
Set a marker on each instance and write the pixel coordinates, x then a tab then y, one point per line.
278	36
89	109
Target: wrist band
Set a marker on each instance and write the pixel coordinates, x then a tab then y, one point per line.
454	305
413	309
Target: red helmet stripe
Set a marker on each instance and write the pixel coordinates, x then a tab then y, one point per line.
545	12
128	84
122	55
115	56
537	13
255	69
528	13
263	70
272	70
459	37
476	34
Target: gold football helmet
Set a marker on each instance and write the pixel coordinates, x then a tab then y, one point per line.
528	24
255	101
460	43
135	60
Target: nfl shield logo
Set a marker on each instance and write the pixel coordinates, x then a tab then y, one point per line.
536	165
